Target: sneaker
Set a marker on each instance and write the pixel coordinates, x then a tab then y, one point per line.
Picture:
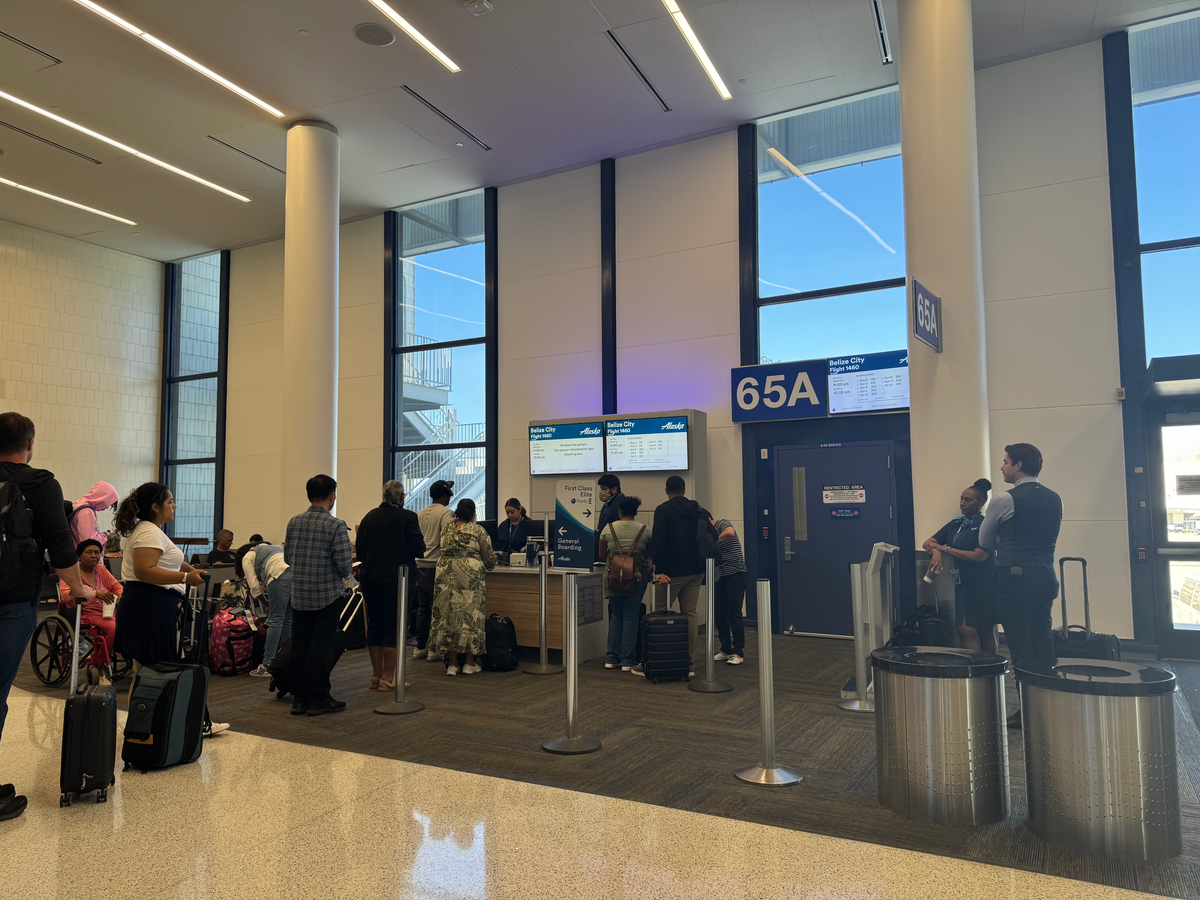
214	728
436	657
611	666
328	705
472	670
451	670
637	670
12	807
420	654
299	708
721	656
735	659
626	668
260	672
691	674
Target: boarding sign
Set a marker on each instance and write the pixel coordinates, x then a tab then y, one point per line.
575	525
791	390
927	316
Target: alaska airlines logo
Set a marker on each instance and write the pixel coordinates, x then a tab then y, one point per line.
674	426
583	431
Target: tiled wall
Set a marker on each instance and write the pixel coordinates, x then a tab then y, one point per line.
81	354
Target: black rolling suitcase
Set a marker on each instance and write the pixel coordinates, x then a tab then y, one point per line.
663	636
166	716
1073	641
89	741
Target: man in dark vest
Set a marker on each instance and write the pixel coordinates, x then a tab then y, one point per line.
1022	526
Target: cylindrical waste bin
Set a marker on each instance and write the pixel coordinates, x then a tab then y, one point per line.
1100	767
941	742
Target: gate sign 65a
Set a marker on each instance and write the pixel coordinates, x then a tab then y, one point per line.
927	316
791	390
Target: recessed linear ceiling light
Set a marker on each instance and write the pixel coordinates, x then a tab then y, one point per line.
182	57
412	33
130	150
24	187
697	48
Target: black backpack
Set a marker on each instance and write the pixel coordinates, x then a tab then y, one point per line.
923	628
707	543
19	563
501	636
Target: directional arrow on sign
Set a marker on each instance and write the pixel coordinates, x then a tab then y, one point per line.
562	531
587	513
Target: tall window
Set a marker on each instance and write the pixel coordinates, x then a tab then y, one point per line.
831	231
195	341
439	333
1165	73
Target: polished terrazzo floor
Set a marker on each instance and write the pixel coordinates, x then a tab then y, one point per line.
262	819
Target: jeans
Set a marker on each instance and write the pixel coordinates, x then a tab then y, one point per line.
1025	602
17	621
312	651
425	578
687	589
279	615
730	590
623	617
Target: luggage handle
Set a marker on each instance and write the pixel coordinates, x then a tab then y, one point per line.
654	595
75	648
1062	588
357	606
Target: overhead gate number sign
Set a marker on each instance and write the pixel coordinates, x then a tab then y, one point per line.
927	316
791	390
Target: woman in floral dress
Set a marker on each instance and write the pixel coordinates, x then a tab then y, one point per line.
458	604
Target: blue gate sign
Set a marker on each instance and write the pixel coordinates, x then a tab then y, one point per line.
575	525
927	316
790	390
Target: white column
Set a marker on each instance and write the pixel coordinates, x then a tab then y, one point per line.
310	311
949	406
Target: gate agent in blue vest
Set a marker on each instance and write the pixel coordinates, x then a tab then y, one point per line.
1023	526
975	572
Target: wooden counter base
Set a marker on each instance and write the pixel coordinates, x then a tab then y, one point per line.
515	593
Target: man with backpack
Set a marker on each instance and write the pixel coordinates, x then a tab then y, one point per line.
627	543
33	521
678	559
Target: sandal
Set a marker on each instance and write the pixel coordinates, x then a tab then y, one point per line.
374	684
385	686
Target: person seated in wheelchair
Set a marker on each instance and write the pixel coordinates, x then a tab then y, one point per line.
98	613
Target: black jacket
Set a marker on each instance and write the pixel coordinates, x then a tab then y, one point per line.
511	538
388	537
673	546
44	497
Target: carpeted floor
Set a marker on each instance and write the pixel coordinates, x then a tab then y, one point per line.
665	745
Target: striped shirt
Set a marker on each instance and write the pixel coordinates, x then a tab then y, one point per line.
318	551
732	560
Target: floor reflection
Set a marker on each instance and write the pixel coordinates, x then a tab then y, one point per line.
450	862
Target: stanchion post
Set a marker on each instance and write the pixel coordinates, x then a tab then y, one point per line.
571	743
768	773
543	667
858	599
399	706
710	685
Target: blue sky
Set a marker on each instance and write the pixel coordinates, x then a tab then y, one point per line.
1167	146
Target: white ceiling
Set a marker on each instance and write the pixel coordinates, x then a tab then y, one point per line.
540	83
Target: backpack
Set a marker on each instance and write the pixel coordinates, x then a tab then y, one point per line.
501	637
923	628
706	541
19	557
235	640
622	575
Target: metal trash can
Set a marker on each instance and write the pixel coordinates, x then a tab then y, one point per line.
1100	766
941	742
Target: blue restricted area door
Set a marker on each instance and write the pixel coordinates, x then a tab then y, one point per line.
834	503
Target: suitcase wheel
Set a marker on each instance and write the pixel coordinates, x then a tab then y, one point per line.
102	795
653	680
127	767
64	800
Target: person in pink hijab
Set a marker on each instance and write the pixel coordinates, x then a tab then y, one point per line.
83	521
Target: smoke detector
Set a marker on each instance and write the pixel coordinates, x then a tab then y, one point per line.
478	7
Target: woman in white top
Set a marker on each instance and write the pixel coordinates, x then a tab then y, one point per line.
156	578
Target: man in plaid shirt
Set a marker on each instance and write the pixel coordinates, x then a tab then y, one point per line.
318	551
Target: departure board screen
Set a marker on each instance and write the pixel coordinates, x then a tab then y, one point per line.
647	445
869	382
566	449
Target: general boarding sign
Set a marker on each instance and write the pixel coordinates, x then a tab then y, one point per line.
790	390
575	524
927	316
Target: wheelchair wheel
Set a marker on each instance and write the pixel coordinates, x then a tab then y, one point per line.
51	650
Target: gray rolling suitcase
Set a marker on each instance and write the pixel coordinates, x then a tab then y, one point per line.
1074	641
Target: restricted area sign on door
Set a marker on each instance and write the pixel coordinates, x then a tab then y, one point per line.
834	504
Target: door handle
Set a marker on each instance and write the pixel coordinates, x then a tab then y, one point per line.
787	549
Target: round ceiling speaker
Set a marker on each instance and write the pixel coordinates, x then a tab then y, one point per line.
375	35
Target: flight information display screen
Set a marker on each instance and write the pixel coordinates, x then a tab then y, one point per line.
566	449
869	382
647	445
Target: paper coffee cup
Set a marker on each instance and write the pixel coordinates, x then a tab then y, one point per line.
109	608
929	578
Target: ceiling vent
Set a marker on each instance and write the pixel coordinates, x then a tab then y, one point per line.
375	35
637	70
441	114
